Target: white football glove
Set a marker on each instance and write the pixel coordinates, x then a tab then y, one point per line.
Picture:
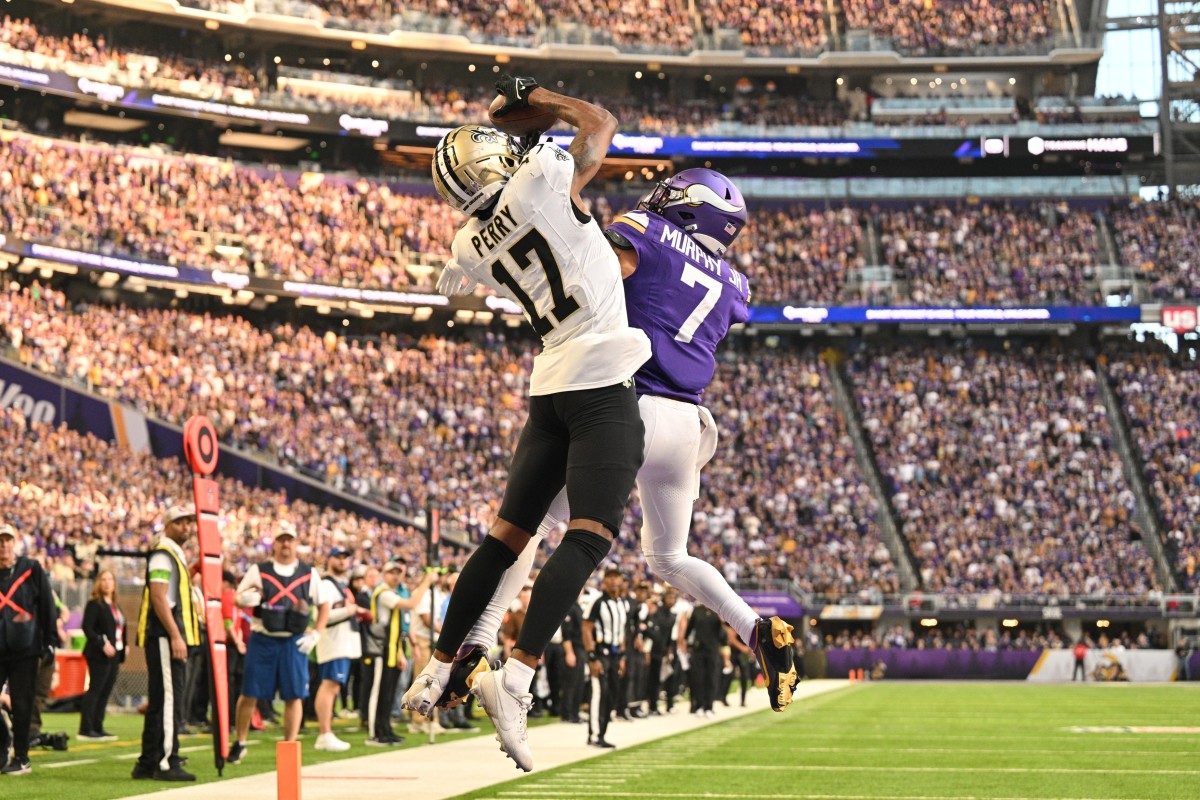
250	598
454	280
307	642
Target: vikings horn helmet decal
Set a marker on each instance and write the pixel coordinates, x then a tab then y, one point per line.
704	203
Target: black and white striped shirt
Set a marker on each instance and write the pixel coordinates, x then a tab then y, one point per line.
609	617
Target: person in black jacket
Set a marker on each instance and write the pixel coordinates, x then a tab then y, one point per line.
705	638
574	658
27	631
660	630
104	627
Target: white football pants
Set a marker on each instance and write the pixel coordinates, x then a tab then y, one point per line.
680	439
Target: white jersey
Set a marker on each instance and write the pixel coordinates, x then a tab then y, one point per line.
341	640
536	250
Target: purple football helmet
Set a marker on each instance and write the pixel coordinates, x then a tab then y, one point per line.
702	202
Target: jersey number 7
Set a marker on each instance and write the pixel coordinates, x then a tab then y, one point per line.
712	293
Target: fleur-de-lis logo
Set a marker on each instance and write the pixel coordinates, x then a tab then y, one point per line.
480	135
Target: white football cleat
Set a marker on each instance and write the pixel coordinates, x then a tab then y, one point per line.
423	695
508	713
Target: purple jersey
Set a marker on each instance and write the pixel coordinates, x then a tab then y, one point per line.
684	299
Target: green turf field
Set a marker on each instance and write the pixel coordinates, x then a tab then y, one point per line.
100	770
897	741
912	741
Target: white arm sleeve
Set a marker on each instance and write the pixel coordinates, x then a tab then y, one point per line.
487	628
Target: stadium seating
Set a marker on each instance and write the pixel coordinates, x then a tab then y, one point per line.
1001	469
1158	393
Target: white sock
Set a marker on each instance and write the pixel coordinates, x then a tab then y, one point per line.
517	676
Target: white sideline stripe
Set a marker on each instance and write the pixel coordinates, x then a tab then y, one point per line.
977	750
474	765
60	764
515	794
1012	770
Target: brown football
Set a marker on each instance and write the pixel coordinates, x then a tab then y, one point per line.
522	121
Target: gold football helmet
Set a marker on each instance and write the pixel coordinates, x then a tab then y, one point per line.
471	164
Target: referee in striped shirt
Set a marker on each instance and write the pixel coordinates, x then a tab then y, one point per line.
604	638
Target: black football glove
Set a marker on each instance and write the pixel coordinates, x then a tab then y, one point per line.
516	93
522	144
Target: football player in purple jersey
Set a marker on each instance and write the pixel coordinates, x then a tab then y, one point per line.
685	296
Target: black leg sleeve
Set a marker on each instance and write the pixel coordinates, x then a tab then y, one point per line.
476	585
558	586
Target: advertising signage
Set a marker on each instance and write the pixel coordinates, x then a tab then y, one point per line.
151	100
183	276
885	315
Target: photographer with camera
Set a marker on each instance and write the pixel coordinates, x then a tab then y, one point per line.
28	632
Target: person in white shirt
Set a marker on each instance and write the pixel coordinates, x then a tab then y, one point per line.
340	645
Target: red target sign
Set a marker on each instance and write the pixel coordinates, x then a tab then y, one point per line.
200	445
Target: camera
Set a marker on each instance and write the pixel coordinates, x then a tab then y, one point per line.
50	741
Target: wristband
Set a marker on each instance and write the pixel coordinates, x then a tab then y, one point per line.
593	656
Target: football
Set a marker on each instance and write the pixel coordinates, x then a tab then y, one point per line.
522	121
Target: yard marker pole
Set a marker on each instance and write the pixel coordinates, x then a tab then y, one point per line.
433	520
287	770
200	449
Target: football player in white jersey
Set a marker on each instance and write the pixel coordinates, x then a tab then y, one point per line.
528	238
689	219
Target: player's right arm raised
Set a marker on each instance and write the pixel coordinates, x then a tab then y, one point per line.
595	128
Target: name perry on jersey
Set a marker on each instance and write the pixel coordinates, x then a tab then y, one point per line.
496	230
691	250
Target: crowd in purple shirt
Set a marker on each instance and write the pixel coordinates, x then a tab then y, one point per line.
217	214
1160	241
991	253
998	460
403	420
231	78
1001	469
70	493
915	27
1159	394
951	27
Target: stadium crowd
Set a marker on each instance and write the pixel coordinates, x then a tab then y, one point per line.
217	214
403	420
801	253
944	27
1160	402
1160	241
965	636
132	66
70	494
991	253
915	27
1001	470
138	60
288	225
399	420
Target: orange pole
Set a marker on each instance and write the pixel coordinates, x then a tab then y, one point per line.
287	770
